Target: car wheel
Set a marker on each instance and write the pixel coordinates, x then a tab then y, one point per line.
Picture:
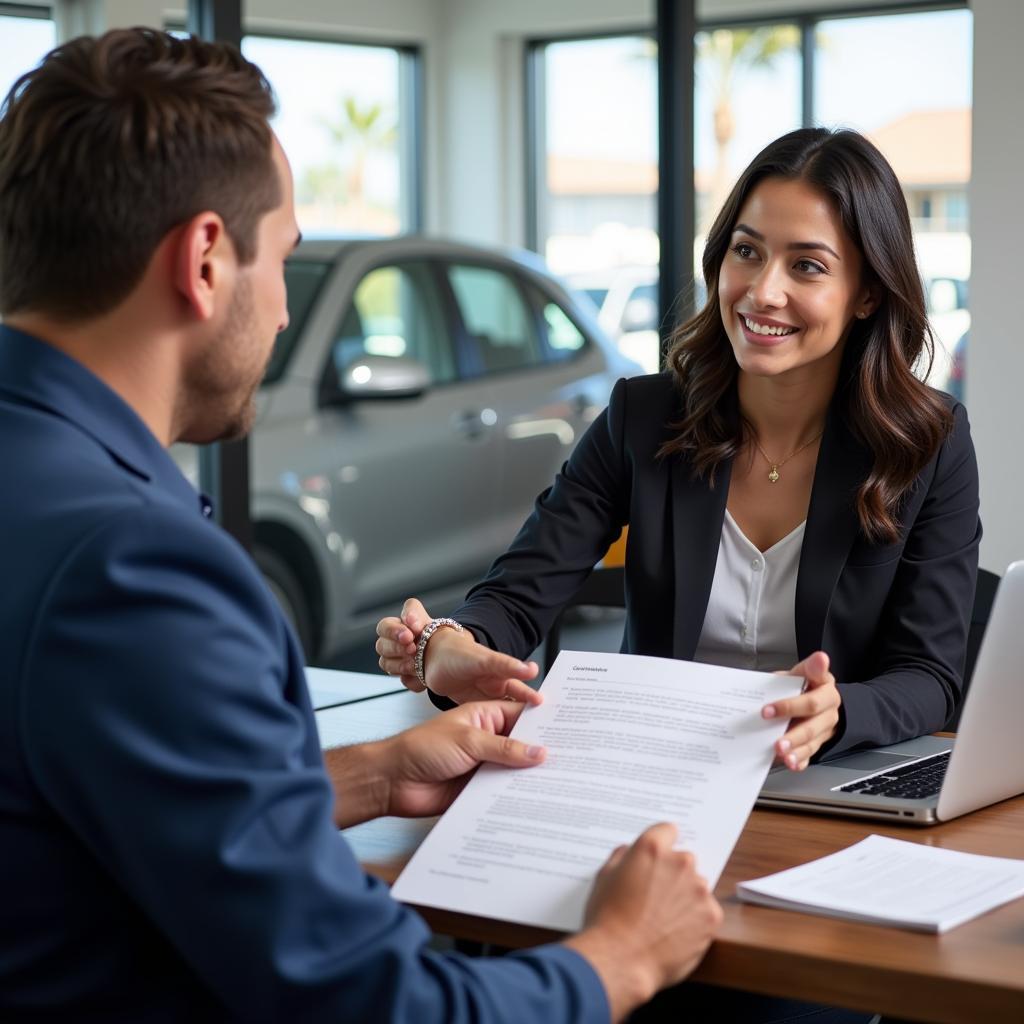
285	586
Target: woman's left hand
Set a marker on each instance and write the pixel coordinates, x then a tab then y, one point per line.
814	714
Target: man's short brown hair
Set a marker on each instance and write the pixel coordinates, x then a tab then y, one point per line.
109	144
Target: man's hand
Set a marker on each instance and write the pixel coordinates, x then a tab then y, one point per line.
433	761
814	714
649	921
456	666
419	772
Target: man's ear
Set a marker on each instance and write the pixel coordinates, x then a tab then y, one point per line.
203	262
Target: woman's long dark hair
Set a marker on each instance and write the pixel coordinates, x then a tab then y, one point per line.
888	408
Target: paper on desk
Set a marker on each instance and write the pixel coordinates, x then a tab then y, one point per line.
328	687
894	882
630	741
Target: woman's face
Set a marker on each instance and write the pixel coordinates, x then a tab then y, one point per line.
791	282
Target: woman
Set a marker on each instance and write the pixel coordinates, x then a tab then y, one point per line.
794	494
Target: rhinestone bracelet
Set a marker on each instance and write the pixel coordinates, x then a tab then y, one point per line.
428	631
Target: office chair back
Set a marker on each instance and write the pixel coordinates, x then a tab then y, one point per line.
604	588
984	595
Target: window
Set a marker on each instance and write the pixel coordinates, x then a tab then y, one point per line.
345	120
913	99
27	39
596	170
497	318
564	338
747	92
595	167
396	312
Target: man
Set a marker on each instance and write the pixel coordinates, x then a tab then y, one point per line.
168	834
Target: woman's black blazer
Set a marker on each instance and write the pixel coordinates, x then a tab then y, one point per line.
892	617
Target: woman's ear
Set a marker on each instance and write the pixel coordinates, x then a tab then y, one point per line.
201	262
870	300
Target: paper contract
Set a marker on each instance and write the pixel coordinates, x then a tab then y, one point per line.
891	881
631	741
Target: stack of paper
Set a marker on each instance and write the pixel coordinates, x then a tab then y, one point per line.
889	881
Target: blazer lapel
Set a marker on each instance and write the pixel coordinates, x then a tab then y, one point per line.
832	526
697	515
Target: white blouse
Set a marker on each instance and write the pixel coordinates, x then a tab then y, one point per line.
751	616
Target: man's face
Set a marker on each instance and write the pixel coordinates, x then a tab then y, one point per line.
224	381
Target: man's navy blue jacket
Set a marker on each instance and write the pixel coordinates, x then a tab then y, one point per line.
167	850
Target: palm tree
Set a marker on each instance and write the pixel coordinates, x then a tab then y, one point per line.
727	53
361	130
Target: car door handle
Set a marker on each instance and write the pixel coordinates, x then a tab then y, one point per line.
471	423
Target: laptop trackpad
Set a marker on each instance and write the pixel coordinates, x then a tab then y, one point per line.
869	760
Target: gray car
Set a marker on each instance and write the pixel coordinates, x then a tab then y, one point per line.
422	395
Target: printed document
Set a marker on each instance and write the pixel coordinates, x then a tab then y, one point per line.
891	881
630	741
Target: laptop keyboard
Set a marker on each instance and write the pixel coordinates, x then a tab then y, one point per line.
911	782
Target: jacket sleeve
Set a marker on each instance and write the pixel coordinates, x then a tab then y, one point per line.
572	525
165	720
923	628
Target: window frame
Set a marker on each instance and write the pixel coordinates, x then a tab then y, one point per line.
411	106
805	20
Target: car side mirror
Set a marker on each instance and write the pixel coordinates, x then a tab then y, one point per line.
369	376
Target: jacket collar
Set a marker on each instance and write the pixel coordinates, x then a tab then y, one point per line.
35	373
698	512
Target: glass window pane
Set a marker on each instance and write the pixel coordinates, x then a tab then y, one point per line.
397	312
340	122
598	174
26	42
564	337
747	92
497	318
913	99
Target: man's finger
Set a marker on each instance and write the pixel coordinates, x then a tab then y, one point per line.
614	859
660	836
487	747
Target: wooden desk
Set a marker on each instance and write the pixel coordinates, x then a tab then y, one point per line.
973	974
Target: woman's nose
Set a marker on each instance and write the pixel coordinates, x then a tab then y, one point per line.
767	289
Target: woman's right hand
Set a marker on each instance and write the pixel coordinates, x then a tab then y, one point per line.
456	666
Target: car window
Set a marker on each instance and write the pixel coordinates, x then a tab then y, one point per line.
644	291
564	337
641	310
497	318
304	279
396	311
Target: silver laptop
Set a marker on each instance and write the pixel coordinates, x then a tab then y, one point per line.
928	780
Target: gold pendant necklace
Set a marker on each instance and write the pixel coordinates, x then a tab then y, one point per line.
773	476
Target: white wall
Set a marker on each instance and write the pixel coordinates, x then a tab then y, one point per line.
995	368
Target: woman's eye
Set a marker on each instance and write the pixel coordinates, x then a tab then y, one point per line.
743	250
809	267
